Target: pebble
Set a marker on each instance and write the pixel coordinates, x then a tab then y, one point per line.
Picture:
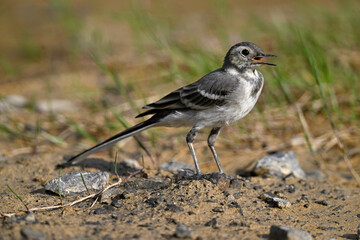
338	208
286	233
16	100
32	234
211	223
322	202
182	231
329	229
132	163
342	197
175	166
106	197
275	200
280	164
358	232
154	201
71	183
55	106
174	208
218	209
30	218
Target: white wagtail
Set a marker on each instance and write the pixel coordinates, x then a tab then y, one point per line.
215	100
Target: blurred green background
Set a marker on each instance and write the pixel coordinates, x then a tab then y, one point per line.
103	53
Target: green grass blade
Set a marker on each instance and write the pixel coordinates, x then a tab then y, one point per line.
18	197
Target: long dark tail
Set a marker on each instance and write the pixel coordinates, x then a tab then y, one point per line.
111	141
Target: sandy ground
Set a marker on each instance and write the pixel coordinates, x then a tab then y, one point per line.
222	209
138	209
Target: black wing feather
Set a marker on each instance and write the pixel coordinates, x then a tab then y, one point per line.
209	91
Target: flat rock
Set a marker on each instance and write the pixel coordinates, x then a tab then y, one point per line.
286	233
280	164
55	106
275	200
71	183
32	234
175	167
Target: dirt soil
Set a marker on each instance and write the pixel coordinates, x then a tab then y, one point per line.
153	204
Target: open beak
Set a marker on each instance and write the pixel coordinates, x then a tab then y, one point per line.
260	59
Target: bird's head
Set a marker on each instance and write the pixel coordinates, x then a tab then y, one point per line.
246	55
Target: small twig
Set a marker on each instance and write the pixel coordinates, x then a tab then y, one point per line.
64	205
2	214
105	189
97	195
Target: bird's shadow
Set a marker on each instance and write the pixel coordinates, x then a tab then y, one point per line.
121	168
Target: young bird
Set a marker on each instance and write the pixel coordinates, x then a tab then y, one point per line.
215	100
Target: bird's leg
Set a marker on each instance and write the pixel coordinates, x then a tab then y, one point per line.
211	141
190	137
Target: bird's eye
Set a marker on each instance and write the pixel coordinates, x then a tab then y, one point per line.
245	52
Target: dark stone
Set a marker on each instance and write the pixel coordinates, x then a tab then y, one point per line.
32	234
172	220
127	195
236	183
291	188
286	233
174	208
97	223
218	209
237	195
212	223
322	202
329	229
342	197
146	225
338	208
117	203
72	183
274	200
182	231
154	201
257	188
108	195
